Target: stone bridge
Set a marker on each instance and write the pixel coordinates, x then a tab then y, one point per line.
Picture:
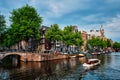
33	56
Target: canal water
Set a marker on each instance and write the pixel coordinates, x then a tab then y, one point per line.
66	69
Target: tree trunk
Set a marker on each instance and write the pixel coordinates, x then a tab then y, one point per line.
54	45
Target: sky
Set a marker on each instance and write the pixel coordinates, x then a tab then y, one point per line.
86	14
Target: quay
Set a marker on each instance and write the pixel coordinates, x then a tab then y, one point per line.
27	56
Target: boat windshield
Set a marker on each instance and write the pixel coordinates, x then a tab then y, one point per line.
92	61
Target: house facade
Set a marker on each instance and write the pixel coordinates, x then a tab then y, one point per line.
96	33
85	38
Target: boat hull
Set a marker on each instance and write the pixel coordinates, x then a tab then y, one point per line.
89	66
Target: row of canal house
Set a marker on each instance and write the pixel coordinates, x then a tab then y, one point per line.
92	33
60	46
47	45
43	44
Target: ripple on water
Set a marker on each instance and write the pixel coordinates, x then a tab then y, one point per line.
66	70
112	73
103	73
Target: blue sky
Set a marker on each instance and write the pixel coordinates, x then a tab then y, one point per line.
86	14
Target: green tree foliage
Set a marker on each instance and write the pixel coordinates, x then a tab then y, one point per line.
2	24
77	39
72	38
97	42
109	43
7	40
116	45
26	23
2	28
68	35
54	33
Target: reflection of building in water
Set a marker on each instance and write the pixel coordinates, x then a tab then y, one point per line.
57	66
4	75
82	60
72	62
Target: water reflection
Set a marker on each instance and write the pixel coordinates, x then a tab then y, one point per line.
4	74
67	69
108	70
41	70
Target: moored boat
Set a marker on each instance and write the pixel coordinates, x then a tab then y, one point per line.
81	55
72	56
91	63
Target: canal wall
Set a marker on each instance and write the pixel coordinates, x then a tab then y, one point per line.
40	57
27	56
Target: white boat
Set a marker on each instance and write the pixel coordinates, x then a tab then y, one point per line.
81	55
91	63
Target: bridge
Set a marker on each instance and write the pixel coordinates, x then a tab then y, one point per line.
31	56
23	56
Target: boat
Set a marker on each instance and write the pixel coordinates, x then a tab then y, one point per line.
72	56
81	55
91	63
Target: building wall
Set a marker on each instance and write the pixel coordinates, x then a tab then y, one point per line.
75	29
85	38
96	33
44	44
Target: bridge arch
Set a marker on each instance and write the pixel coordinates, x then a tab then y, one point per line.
14	56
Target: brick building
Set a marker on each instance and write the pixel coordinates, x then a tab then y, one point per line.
85	38
96	33
44	44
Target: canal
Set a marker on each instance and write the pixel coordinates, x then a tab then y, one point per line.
67	69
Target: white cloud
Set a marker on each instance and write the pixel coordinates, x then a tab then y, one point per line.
111	24
52	10
89	27
93	18
57	8
8	7
112	27
6	13
114	23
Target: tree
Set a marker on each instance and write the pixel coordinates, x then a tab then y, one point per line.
54	34
26	23
2	27
116	45
68	35
2	24
108	43
97	43
71	38
7	40
78	41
